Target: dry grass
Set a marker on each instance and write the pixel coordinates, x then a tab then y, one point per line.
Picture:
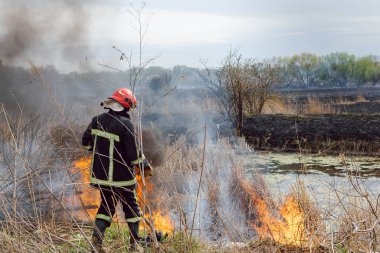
316	106
33	183
313	222
290	106
267	245
33	218
358	226
277	105
361	99
312	105
263	212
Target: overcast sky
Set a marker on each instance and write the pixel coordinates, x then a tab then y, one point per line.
184	32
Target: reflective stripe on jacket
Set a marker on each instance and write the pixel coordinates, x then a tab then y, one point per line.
111	136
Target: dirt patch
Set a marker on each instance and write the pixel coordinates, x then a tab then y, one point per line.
354	134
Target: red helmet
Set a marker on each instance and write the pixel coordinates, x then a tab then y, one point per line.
125	97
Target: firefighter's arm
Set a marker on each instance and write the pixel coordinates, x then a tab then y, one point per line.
139	163
87	139
142	164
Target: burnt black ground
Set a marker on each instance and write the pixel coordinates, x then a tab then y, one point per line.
357	134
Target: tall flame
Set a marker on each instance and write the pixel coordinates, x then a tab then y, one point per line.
85	203
287	229
161	221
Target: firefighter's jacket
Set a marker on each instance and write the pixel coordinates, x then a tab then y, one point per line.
111	138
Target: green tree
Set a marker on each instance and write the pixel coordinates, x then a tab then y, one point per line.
304	69
366	70
286	71
340	67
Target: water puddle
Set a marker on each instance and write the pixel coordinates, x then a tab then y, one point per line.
287	163
322	175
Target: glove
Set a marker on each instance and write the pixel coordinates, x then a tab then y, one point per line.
148	170
89	148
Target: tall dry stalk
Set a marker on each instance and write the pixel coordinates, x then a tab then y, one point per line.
200	181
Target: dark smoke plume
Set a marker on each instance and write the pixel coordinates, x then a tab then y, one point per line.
20	34
153	146
34	28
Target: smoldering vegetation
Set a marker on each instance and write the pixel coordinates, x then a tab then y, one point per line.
199	182
173	103
62	106
200	193
203	188
33	161
38	154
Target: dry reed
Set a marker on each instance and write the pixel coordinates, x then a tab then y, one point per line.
33	218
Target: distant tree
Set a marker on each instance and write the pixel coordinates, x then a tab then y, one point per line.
159	86
366	70
340	67
264	76
160	82
231	87
287	74
242	86
304	68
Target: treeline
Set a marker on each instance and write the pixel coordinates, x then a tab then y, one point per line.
242	86
23	86
34	89
337	69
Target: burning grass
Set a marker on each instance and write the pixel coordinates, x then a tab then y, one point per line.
85	203
285	224
48	206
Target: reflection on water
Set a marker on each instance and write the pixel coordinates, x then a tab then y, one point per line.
321	174
341	165
331	170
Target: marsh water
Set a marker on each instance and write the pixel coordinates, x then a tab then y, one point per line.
322	176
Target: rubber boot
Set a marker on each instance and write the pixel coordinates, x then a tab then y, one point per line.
135	239
134	235
98	235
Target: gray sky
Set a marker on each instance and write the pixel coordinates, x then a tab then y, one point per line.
184	32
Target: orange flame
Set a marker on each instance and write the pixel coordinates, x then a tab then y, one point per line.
85	203
161	222
289	229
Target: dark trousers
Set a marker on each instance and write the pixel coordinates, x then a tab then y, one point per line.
126	196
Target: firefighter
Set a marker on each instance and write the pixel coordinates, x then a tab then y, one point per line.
110	137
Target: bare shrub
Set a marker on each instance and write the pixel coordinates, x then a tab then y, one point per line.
358	227
242	86
66	141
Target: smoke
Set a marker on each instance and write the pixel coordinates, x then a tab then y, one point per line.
20	33
154	145
42	29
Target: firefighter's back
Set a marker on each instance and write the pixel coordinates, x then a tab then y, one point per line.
115	148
